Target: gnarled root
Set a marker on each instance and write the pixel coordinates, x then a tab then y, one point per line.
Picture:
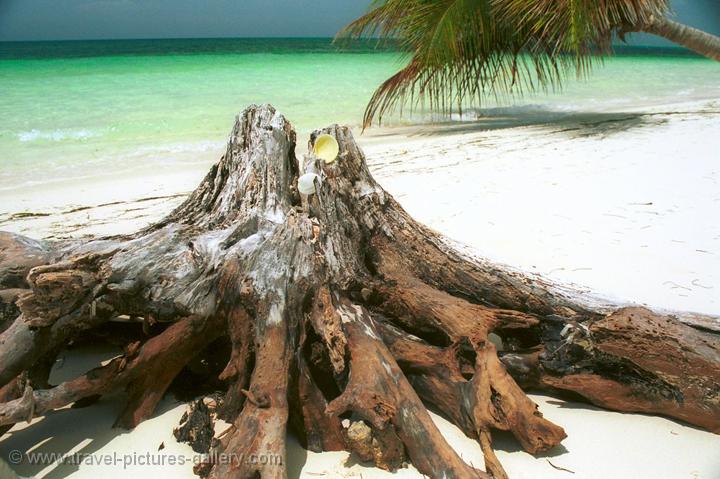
379	394
152	365
345	319
464	380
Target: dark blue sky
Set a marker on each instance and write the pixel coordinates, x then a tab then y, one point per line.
85	19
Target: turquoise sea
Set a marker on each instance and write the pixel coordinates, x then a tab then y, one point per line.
72	109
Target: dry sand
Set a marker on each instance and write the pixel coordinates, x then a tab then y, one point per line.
624	204
600	444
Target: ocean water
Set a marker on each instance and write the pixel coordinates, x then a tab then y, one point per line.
83	109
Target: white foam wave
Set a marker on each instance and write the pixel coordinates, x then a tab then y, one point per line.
181	147
55	135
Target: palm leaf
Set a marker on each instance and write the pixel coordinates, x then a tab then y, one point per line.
464	50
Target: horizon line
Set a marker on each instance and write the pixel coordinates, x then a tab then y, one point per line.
268	37
172	38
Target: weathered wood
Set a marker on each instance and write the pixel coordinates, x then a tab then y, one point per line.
378	393
196	428
344	318
632	360
18	255
149	365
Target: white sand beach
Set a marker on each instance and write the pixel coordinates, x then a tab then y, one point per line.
623	204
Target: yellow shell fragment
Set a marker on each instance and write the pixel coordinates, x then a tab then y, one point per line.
326	148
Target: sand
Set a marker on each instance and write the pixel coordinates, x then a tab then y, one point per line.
621	203
600	444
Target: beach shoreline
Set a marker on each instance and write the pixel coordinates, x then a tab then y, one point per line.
367	240
542	197
525	192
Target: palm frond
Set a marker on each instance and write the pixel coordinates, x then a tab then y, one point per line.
464	50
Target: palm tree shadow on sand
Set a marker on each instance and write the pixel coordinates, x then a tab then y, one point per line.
571	124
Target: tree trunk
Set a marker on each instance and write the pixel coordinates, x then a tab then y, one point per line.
346	319
691	38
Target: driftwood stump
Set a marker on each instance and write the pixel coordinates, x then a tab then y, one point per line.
346	320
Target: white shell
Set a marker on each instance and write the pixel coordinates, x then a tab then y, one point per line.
306	183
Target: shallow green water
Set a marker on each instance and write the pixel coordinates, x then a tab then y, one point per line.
87	108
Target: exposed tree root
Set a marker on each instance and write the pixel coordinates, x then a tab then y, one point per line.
196	427
143	370
378	393
345	319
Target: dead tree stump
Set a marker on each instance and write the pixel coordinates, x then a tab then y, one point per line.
346	319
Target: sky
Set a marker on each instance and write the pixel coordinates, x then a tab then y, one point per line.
111	19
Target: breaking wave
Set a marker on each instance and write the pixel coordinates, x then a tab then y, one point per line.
56	135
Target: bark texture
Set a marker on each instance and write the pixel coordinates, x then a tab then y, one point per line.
701	42
344	319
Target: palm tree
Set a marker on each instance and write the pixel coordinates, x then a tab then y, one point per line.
462	50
